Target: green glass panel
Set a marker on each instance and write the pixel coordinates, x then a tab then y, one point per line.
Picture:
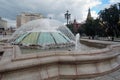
45	38
31	38
65	37
20	38
59	38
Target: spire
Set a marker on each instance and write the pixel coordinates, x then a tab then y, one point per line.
75	21
89	15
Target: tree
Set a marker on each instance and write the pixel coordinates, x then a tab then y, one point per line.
109	17
92	28
81	30
89	28
70	26
99	29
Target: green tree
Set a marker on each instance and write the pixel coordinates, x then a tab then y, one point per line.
81	30
92	28
70	26
98	28
109	17
89	28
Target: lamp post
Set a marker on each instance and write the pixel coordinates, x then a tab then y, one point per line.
118	7
67	16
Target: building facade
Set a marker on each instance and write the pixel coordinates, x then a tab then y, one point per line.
26	17
76	26
3	25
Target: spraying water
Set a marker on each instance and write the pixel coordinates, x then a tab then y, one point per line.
43	33
77	42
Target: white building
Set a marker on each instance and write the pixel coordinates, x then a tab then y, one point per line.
3	25
26	17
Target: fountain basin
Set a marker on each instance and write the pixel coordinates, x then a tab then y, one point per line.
59	64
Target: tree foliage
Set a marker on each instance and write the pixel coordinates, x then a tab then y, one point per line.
107	24
70	26
109	18
92	28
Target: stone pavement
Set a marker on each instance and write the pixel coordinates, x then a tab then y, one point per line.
103	39
111	76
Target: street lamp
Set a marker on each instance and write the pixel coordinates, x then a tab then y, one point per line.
67	16
118	7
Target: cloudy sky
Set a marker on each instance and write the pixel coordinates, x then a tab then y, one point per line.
52	8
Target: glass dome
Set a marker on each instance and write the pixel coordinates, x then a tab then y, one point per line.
43	24
43	33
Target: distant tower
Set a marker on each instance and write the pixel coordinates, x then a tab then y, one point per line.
89	17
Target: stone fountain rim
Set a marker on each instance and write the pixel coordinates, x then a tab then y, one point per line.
20	56
59	57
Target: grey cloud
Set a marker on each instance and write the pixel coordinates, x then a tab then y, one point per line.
57	8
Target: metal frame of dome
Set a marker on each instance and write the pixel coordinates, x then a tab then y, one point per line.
43	24
34	28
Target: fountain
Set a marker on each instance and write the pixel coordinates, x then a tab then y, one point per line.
57	54
77	42
44	34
